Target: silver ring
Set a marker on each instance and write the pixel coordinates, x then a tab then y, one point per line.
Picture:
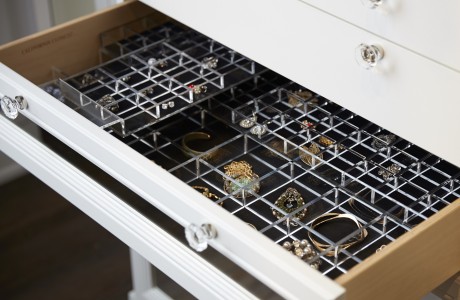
249	122
209	62
259	130
108	102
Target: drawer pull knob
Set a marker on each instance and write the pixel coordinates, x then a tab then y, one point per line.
371	3
11	107
368	55
198	236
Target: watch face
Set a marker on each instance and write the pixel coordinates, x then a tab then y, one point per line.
8	107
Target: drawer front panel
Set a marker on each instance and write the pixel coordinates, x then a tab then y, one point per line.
423	26
318	51
255	253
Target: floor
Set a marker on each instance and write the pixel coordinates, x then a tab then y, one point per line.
51	250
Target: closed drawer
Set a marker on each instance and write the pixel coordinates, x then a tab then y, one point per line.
235	239
424	27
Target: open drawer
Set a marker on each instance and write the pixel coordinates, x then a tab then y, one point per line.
124	151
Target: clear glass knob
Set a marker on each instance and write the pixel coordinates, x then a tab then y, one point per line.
11	107
198	236
368	55
371	3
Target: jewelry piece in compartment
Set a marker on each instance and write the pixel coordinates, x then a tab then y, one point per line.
148	91
295	101
390	171
328	142
209	62
205	192
290	201
198	89
193	136
382	141
328	217
252	226
380	248
258	130
303	250
249	122
245	179
88	79
126	78
307	158
307	125
109	102
153	62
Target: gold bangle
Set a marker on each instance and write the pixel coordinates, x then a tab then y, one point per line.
192	136
205	192
334	216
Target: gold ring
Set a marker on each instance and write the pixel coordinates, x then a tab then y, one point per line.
243	179
205	192
288	202
193	136
335	216
308	158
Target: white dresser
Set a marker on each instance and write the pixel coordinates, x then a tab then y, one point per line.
394	63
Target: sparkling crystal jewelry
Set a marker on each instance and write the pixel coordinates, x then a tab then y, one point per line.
164	105
151	62
209	62
328	217
303	250
198	89
382	141
259	130
244	179
171	104
109	102
205	192
249	122
313	149
389	172
290	201
307	125
148	91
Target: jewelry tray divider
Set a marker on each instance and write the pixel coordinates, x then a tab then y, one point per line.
357	168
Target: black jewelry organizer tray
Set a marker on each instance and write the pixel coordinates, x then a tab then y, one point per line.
353	172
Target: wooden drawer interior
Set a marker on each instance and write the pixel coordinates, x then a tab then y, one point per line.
414	264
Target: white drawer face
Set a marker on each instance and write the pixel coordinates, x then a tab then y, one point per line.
423	26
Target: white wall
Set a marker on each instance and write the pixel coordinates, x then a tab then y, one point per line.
19	18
